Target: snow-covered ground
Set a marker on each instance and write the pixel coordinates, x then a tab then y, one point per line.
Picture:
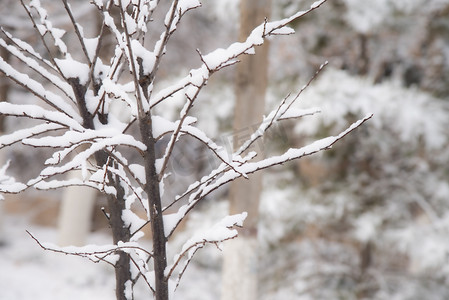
29	272
305	265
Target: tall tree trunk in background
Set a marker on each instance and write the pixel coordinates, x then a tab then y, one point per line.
240	266
75	214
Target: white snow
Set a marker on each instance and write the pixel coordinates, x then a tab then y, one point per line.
218	233
74	69
21	134
185	5
131	220
8	184
49	275
148	58
283	31
139	172
39	90
33	64
37	112
131	25
129	290
70	138
47	26
91	47
317	3
352	96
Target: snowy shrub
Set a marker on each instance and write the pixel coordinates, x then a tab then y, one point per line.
386	202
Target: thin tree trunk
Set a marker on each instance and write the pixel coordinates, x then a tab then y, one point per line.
240	269
120	233
154	201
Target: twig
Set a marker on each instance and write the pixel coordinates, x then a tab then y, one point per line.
278	113
108	217
77	30
323	144
141	273
175	135
52	59
113	249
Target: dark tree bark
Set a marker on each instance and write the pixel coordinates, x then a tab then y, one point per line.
120	233
154	199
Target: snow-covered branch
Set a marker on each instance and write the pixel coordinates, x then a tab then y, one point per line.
282	112
38	90
8	184
174	138
95	253
220	232
33	64
229	175
21	134
224	57
37	112
45	26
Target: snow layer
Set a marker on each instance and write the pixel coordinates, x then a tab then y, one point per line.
74	69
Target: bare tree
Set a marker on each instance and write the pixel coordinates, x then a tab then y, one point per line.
75	122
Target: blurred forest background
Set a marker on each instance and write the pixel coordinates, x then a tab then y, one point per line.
368	219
